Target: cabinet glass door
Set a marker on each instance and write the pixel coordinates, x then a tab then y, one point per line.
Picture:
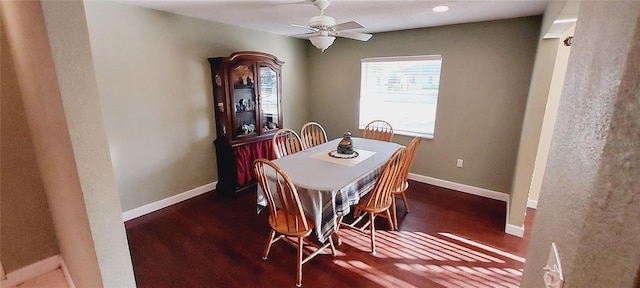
269	102
244	100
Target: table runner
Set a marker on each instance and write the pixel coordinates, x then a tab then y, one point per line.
362	155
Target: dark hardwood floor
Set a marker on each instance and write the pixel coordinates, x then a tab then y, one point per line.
448	239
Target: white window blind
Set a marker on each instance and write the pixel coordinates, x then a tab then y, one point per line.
402	91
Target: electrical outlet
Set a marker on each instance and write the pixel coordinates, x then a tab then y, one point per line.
459	163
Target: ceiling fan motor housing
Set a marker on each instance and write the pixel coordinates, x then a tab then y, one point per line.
321	22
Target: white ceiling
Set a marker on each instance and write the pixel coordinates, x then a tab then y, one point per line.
275	16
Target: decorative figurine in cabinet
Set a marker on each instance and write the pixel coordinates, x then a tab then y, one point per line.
247	98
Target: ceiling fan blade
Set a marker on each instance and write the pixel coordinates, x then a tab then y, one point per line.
353	35
347	26
305	27
304	35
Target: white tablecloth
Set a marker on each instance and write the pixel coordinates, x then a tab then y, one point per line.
328	189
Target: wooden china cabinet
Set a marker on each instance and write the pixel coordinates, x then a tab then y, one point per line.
247	99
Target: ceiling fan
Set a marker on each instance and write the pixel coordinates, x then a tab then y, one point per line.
325	30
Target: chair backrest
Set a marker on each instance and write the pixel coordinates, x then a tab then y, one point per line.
410	154
285	142
378	130
282	196
312	134
380	197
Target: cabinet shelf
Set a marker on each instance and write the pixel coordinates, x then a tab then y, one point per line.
239	80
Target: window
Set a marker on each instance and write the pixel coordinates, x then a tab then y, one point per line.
402	91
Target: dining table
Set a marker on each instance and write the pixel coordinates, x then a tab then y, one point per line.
328	186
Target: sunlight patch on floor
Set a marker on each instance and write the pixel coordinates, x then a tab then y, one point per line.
375	275
485	247
442	258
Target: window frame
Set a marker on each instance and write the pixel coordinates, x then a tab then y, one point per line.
413	58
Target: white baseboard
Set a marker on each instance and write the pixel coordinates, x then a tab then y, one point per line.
532	204
155	206
509	228
31	271
514	230
460	187
67	276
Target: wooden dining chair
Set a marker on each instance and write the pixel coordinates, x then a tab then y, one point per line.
379	200
402	183
286	216
286	142
378	130
312	134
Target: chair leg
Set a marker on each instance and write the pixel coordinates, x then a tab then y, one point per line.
333	247
389	220
404	198
395	214
372	218
268	248
299	263
356	212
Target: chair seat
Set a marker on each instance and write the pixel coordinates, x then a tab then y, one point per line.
279	224
381	208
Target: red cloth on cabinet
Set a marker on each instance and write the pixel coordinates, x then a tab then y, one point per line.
246	154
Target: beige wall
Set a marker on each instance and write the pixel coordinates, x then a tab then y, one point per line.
155	88
26	228
483	91
589	202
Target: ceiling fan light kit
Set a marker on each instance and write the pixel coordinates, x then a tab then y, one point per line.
325	30
322	42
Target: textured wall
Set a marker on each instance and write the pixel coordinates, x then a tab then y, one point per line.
26	228
71	51
589	202
155	87
484	85
39	90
